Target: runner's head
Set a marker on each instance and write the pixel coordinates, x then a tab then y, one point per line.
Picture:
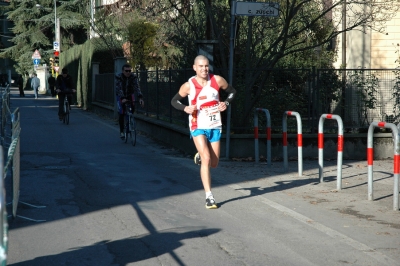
201	66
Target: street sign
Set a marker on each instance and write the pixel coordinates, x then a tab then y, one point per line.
266	9
36	61
56	46
56	68
36	55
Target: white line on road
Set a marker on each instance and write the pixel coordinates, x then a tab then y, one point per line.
381	258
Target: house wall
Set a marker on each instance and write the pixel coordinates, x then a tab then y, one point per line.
384	45
371	49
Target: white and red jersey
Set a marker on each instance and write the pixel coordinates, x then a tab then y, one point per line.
206	99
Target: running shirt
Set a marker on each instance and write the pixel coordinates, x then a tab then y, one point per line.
206	98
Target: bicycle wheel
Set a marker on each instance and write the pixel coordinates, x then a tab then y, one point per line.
127	130
66	113
132	125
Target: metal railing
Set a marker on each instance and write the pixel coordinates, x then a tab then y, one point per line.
3	214
359	96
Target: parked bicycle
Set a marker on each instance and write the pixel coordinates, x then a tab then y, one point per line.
130	123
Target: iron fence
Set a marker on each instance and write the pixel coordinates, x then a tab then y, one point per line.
359	96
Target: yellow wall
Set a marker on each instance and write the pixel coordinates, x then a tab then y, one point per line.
383	46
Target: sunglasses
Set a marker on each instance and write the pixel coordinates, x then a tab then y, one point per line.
128	70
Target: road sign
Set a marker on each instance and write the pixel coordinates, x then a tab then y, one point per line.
56	68
36	55
266	9
36	61
56	46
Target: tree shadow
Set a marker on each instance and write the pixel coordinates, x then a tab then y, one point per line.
127	250
280	186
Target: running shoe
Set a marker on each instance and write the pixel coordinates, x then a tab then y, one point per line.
122	135
210	203
197	159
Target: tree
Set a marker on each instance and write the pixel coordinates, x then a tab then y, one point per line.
119	27
263	43
34	29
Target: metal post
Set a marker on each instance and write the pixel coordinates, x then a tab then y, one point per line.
231	47
256	150
55	23
339	147
396	159
299	141
268	131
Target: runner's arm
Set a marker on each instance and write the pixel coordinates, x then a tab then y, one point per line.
176	102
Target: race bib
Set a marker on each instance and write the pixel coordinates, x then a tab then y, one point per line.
209	117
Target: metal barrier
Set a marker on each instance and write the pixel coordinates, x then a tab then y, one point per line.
339	148
256	150
396	159
5	111
3	214
299	141
14	159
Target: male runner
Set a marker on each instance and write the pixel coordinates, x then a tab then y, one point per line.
205	124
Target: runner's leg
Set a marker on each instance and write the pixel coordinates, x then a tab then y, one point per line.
202	147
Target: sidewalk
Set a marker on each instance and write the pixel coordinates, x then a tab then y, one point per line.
352	200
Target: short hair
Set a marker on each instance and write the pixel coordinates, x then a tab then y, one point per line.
126	65
200	57
64	71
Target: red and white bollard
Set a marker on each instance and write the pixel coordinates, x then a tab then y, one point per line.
256	150
299	140
396	158
339	145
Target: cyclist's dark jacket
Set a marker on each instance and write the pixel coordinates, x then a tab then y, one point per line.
125	88
64	84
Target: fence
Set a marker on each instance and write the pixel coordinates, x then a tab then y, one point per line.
3	214
4	139
359	96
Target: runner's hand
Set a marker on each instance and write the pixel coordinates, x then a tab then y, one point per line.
190	109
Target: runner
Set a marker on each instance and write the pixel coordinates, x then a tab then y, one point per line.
205	124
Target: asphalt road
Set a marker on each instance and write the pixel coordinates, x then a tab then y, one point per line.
109	203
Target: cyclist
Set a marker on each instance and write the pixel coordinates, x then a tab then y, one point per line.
126	84
64	88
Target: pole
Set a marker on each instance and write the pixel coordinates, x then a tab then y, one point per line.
231	47
55	21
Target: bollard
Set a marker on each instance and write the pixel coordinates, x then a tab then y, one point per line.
299	141
339	147
396	161
256	150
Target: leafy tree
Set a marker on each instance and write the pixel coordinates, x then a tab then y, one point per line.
140	29
34	29
265	43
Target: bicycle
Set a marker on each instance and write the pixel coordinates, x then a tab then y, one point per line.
130	124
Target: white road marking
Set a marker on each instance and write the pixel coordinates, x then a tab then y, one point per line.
381	258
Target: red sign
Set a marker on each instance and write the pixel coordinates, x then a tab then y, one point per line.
56	68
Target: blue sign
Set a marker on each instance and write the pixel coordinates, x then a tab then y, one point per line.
36	61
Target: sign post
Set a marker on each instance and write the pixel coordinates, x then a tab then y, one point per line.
266	9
